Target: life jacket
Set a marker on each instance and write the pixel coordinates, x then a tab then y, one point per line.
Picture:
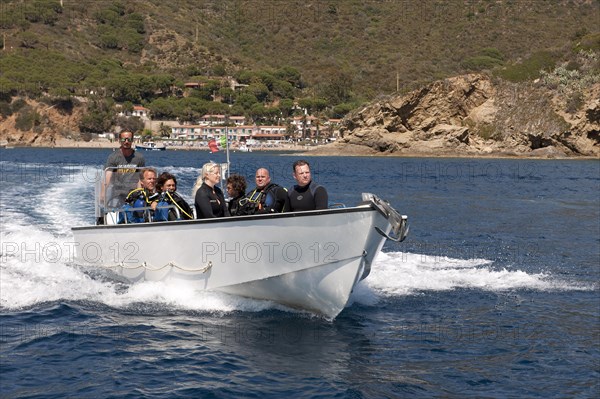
234	204
172	207
258	201
131	212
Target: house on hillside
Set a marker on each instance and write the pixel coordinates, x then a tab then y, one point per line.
305	126
238	120
222	120
212	120
270	134
235	86
300	122
141	112
331	129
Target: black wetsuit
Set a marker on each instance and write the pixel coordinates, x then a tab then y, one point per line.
234	205
271	199
209	204
308	198
183	211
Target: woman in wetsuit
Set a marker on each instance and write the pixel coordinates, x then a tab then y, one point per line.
208	198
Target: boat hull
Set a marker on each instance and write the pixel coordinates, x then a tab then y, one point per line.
308	260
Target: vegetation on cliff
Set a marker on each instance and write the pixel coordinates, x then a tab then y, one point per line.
328	57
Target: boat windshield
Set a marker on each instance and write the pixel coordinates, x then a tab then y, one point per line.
116	183
112	189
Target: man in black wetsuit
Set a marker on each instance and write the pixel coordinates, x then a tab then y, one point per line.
306	195
267	197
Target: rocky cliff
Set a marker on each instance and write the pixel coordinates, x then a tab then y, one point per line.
468	115
473	115
47	125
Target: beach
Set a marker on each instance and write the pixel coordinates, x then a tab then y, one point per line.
105	143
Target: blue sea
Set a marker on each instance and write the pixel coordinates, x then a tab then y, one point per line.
494	294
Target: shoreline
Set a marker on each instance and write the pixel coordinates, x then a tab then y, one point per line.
105	144
315	151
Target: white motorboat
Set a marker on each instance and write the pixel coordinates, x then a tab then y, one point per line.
151	146
308	260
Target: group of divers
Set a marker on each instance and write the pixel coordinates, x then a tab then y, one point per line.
155	197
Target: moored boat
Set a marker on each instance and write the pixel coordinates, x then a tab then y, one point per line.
151	146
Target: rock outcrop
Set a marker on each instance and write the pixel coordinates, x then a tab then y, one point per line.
51	127
473	115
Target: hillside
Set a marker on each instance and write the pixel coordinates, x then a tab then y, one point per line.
366	44
66	64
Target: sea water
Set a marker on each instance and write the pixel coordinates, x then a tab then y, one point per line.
495	293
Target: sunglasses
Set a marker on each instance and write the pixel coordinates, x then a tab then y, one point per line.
127	139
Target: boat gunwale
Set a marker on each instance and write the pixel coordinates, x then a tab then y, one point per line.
230	219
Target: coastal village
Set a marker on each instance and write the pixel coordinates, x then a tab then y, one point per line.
300	130
305	130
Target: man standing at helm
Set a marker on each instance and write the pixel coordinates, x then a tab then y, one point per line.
121	172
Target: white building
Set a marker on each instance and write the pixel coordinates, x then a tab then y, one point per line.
215	120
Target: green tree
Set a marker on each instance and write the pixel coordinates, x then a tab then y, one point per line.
340	110
313	105
28	39
8	88
130	123
529	68
136	22
244	77
219	70
162	83
259	90
5	110
266	79
27	119
272	115
99	116
109	40
118	8
246	100
163	108
258	113
227	95
283	89
108	17
236	110
213	107
290	75
164	130
127	107
285	107
132	41
147	134
59	94
191	109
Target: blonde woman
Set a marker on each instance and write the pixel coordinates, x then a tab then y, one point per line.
208	198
